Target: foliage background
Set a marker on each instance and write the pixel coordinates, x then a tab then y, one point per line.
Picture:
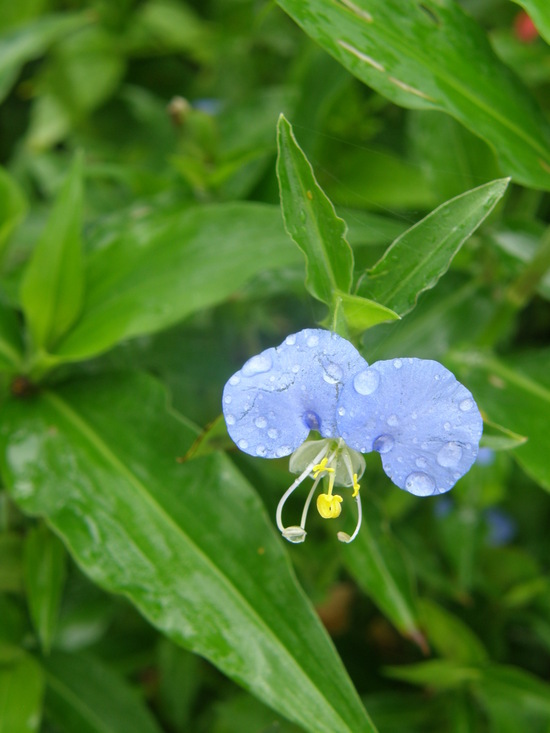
144	259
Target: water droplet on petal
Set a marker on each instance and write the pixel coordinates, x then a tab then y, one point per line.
230	419
296	368
234	380
311	420
243	444
393	421
257	365
283	450
261	450
447	426
449	455
341	411
366	381
466	405
260	422
383	444
421	462
291	340
332	373
397	363
273	433
228	399
420	484
312	340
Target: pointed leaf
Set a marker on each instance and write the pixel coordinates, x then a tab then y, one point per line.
53	283
539	11
361	313
311	221
189	544
419	257
11	346
12	207
429	55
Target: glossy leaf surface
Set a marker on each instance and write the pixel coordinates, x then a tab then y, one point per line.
189	544
419	257
184	262
311	221
431	55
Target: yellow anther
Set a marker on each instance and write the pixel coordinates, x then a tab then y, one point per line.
356	486
328	505
320	468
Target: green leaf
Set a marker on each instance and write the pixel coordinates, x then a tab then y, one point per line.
311	221
189	544
45	562
514	393
450	636
419	257
83	695
13	206
439	674
379	567
498	438
539	13
428	56
11	346
21	690
30	41
361	313
11	566
52	289
184	262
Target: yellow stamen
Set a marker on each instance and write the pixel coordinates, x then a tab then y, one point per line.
356	486
328	505
320	468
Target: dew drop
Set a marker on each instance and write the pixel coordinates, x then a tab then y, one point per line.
273	433
341	411
420	484
366	381
291	340
228	399
311	420
257	365
260	422
466	405
230	419
261	450
449	455
456	475
447	426
243	444
234	380
383	444
296	368
393	421
421	462
312	340
397	363
283	450
332	374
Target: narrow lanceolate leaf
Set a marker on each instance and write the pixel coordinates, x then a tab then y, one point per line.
11	346
429	55
421	255
45	561
53	284
311	221
12	207
515	394
84	696
189	544
380	569
183	262
539	11
21	691
450	636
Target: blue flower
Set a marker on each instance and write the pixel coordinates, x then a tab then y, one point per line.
422	421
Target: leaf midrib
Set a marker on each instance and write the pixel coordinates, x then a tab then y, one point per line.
88	432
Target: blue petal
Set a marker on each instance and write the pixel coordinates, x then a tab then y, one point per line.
422	421
278	396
